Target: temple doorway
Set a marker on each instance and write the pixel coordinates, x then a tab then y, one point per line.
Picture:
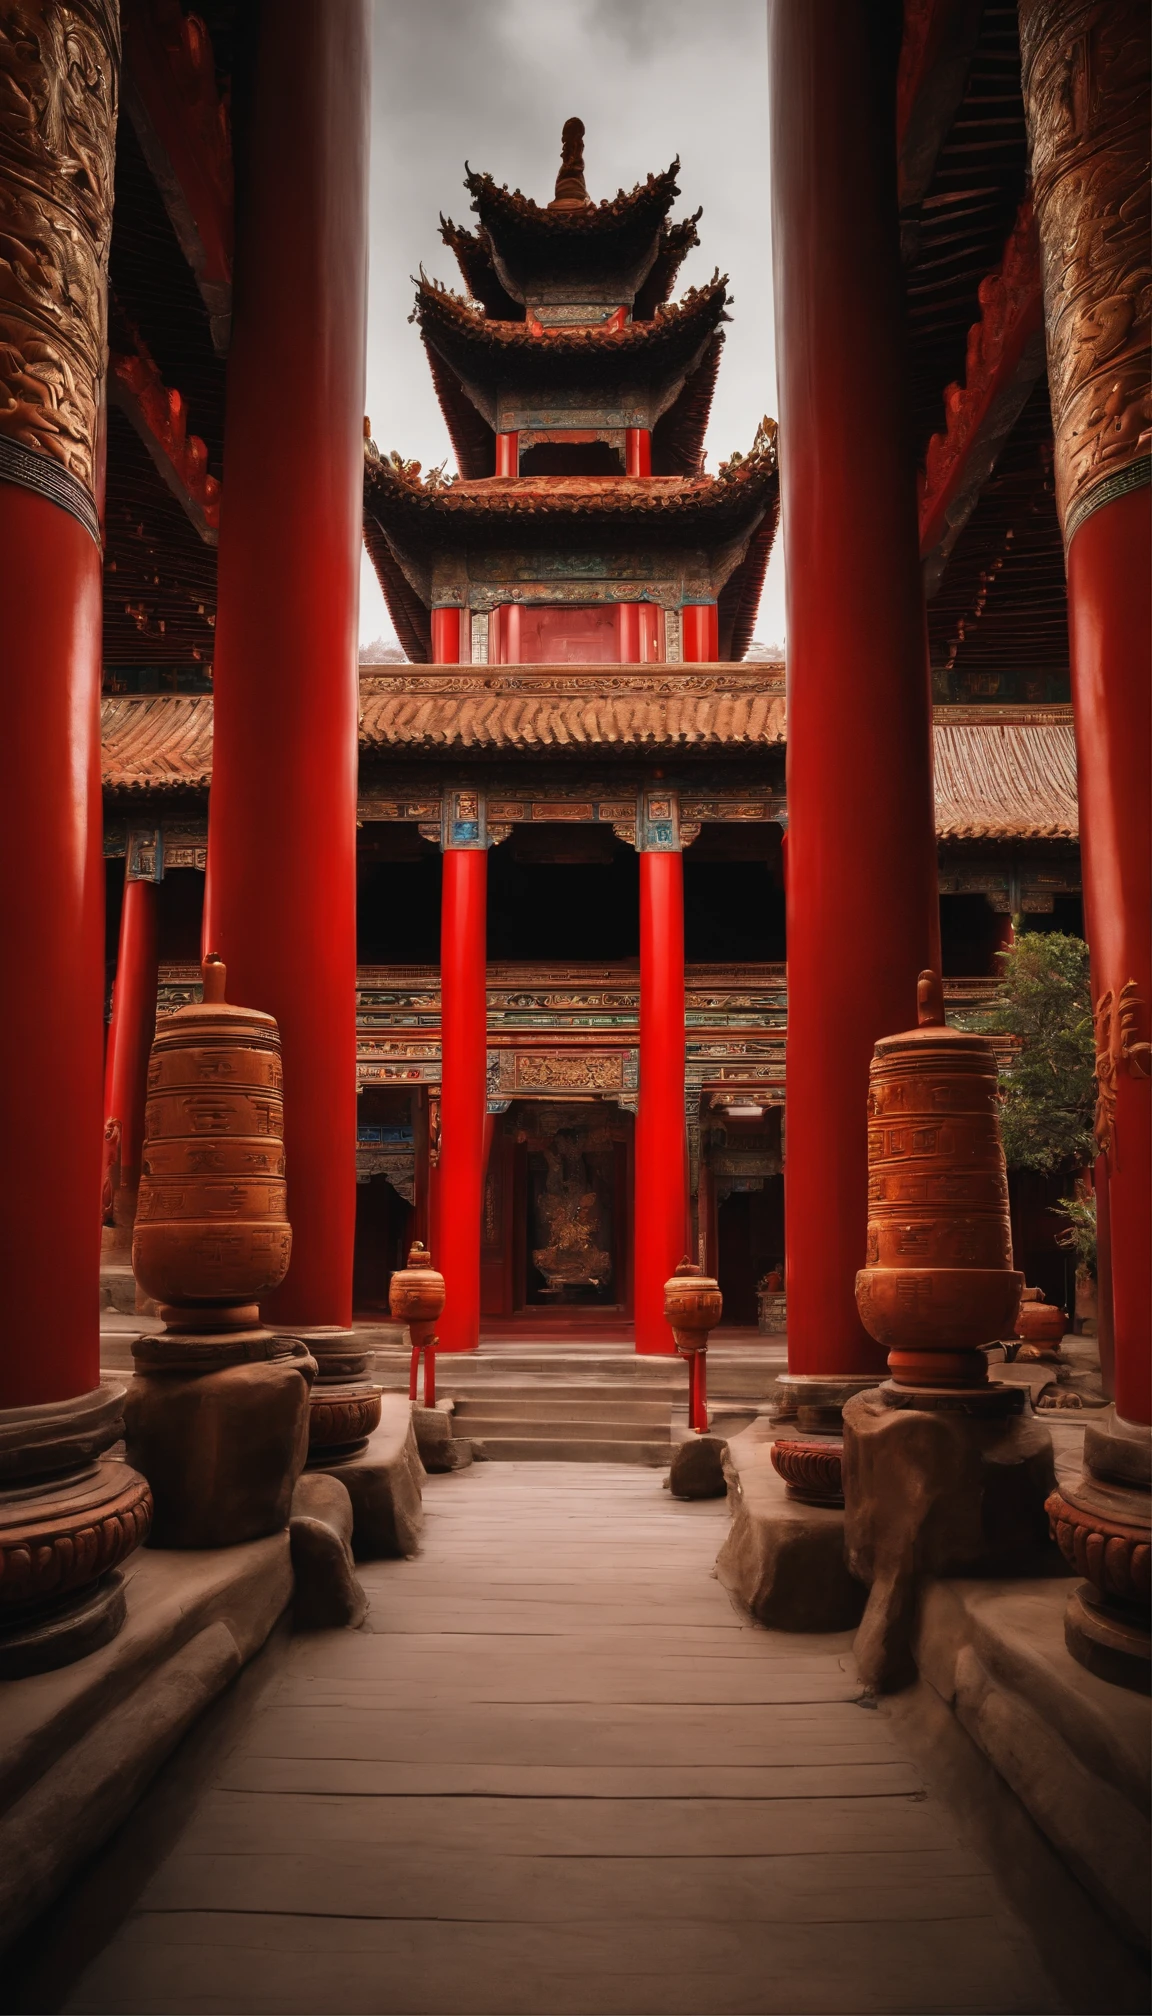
558	1214
750	1243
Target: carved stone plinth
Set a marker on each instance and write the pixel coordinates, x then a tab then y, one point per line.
812	1471
344	1405
1103	1528
219	1423
815	1401
68	1518
939	1489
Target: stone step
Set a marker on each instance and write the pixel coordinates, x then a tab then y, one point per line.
478	1427
542	1449
569	1406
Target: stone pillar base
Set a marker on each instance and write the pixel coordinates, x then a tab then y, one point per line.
815	1401
936	1490
218	1420
67	1520
1103	1527
344	1405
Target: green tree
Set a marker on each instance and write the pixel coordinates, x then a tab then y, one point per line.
1049	1090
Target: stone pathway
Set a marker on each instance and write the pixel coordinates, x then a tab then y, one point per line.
558	1772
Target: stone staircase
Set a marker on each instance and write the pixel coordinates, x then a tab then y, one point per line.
590	1422
584	1403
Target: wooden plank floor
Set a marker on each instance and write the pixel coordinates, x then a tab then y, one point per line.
559	1772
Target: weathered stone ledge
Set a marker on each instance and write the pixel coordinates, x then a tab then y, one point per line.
78	1746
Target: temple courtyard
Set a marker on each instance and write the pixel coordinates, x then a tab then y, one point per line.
559	1769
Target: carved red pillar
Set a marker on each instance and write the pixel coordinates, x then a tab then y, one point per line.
67	1517
1086	88
661	1186
130	1036
282	825
464	1057
861	845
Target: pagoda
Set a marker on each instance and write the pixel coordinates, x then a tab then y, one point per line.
581	530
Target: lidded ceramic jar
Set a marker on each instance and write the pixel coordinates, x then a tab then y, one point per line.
212	1235
693	1305
416	1296
939	1280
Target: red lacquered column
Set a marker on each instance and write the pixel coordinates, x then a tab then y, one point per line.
699	641
282	826
861	846
446	627
628	632
1109	599
661	1199
52	929
464	1044
1087	89
507	454
638	451
130	1036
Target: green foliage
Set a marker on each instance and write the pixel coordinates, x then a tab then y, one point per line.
1079	1234
1048	1093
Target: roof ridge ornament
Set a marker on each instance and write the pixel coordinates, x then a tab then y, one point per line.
571	193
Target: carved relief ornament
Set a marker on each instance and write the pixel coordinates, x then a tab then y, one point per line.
1120	1022
1086	96
59	72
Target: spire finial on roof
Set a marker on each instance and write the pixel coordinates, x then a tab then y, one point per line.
570	191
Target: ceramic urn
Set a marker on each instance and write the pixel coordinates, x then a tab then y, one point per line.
212	1235
416	1296
939	1280
693	1305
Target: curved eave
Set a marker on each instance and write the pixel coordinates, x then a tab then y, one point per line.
484	351
678	436
707	509
617	225
738	602
158	743
478	273
473	440
411	620
676	241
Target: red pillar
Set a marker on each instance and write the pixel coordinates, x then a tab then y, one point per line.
464	1058
52	930
507	454
446	625
628	632
638	451
130	1035
282	828
1109	599
661	1199
698	630
861	845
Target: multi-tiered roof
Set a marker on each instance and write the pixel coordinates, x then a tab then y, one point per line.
567	340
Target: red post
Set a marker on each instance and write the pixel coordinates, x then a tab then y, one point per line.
628	633
52	926
638	451
861	844
661	1174
507	454
282	825
463	1048
1109	599
446	624
130	1035
699	639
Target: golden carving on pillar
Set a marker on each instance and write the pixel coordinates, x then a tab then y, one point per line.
1086	95
59	73
1120	1022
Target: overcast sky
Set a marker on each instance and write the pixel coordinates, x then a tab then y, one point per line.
493	81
